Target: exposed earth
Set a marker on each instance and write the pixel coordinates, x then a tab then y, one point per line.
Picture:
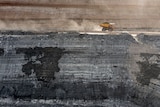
70	69
54	54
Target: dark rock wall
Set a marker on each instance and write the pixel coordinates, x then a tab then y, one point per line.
80	66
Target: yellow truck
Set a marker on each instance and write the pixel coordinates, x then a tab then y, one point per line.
107	26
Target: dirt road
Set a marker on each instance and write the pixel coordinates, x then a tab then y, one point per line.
84	15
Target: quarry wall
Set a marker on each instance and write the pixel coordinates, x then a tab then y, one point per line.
77	66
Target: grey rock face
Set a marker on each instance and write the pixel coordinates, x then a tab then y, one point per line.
73	66
1	51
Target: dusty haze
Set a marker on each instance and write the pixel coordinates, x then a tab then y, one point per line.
75	15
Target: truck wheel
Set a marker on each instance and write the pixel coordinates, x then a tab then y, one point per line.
104	29
110	29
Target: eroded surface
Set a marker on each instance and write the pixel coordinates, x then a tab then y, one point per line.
116	70
41	61
149	68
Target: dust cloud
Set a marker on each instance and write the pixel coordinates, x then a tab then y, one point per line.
59	25
66	17
83	26
78	15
